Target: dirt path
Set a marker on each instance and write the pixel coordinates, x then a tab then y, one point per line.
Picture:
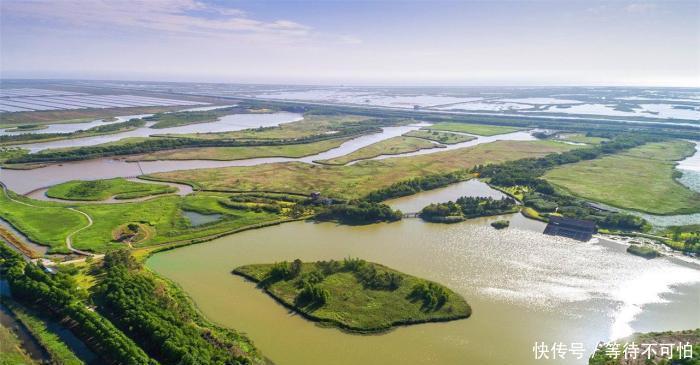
69	238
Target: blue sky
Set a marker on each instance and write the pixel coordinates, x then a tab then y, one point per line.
355	42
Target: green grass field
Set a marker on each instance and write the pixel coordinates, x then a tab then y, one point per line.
237	153
164	219
440	136
479	129
49	223
639	179
45	223
391	146
354	306
118	188
355	181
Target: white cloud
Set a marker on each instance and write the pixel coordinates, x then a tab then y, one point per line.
640	7
179	16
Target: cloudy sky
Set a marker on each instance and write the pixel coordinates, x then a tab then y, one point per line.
355	42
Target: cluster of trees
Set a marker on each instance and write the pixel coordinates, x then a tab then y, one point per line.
415	185
686	238
367	273
56	295
483	206
466	207
312	294
359	212
112	127
433	295
284	270
159	317
372	278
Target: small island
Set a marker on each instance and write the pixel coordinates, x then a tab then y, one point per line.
500	224
643	251
117	188
27	128
467	207
356	295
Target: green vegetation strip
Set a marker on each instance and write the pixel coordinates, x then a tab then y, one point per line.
238	153
480	129
356	295
10	139
391	146
118	188
640	179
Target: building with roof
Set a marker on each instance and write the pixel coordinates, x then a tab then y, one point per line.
577	229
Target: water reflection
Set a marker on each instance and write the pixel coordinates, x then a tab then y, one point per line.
523	287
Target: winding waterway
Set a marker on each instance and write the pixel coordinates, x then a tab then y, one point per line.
24	181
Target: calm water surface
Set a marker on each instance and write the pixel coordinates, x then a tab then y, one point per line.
523	287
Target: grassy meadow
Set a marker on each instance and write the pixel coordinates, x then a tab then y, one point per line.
639	179
45	223
357	180
118	188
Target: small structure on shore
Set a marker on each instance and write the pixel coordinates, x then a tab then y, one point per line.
577	229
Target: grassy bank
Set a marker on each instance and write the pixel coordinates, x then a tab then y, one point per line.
391	146
440	136
118	188
640	179
356	295
11	352
480	129
59	352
